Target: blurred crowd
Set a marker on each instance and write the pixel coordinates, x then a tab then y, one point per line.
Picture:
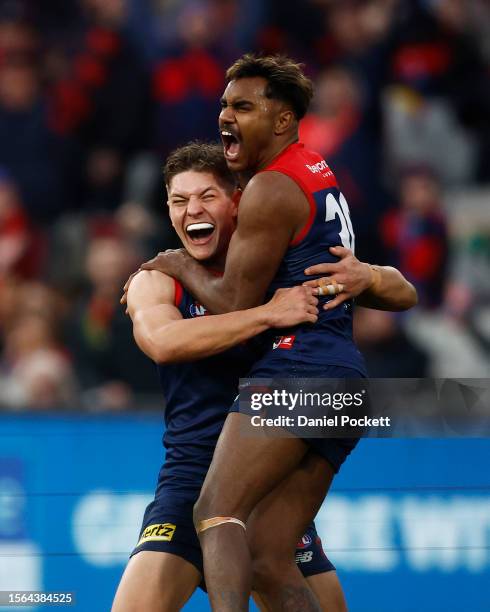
95	93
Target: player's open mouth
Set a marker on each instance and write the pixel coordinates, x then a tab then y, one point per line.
231	144
199	233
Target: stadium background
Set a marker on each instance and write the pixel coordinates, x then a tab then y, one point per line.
93	95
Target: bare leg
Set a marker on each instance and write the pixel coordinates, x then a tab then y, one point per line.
155	582
276	525
243	471
328	591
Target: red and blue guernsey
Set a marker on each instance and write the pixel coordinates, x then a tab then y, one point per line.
329	341
198	397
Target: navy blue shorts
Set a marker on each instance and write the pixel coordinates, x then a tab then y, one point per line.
334	450
168	527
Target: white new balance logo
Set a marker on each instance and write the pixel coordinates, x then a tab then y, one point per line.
304	557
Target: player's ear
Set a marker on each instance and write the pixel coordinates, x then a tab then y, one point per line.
284	120
170	216
167	187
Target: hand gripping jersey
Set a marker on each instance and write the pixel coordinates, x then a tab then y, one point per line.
329	341
198	396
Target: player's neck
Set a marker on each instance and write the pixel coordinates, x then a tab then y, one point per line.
244	177
277	147
215	265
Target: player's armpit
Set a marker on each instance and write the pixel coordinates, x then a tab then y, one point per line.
271	211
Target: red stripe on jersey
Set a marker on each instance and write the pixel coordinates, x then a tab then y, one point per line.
237	196
179	293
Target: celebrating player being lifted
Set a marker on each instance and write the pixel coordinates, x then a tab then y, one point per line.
291	213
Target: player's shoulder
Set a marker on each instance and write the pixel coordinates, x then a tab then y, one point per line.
268	197
271	186
152	287
305	163
267	179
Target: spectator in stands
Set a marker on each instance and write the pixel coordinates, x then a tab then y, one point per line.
142	230
417	236
14	229
8	303
100	96
35	371
188	81
439	112
388	351
109	365
29	149
357	35
338	128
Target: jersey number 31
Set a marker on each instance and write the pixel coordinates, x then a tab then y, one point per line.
340	208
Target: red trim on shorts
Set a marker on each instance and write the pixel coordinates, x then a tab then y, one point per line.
179	293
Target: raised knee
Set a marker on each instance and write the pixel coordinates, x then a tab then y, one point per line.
206	508
200	511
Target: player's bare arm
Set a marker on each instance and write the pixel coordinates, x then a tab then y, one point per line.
379	287
163	335
272	210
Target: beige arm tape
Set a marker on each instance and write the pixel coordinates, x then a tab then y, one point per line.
216	521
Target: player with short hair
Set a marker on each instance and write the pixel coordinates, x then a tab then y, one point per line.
291	214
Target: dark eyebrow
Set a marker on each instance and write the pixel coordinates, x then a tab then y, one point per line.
242	101
178	195
237	102
210	188
186	197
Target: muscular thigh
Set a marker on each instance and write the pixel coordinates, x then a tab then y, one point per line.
328	591
282	517
155	582
247	464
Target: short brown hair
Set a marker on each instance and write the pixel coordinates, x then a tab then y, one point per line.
201	157
285	79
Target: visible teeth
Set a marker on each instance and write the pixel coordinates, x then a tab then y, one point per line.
194	227
225	133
